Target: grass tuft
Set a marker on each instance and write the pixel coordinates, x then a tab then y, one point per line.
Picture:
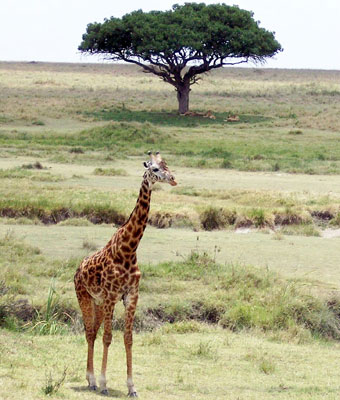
266	366
89	245
48	322
52	386
204	349
109	172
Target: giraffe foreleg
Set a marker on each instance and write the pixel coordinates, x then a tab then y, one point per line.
130	309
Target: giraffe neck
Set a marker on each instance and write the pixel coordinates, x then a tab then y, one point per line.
132	231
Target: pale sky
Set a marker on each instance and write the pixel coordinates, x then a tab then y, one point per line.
51	30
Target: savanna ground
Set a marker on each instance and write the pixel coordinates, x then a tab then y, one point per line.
240	290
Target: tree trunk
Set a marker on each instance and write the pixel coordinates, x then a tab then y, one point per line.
183	98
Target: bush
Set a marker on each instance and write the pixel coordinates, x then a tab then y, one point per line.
335	221
291	217
76	150
259	218
109	172
216	218
227	164
36	165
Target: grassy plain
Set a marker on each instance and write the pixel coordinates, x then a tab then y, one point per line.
239	297
210	364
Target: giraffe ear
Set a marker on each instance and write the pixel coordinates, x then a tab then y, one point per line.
145	164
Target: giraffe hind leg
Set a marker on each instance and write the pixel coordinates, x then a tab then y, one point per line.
87	307
108	310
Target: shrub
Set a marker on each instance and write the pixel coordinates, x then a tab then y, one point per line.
258	216
38	123
36	165
76	150
276	167
161	220
216	218
227	164
291	217
295	132
109	172
335	221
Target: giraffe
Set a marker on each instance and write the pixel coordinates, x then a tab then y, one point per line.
112	274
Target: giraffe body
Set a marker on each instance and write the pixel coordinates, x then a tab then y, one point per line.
112	274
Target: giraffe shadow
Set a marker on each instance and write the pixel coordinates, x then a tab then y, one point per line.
113	393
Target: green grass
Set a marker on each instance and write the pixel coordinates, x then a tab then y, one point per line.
241	366
24	173
246	150
233	296
257	316
171	118
108	198
283	125
303	257
268	356
306	230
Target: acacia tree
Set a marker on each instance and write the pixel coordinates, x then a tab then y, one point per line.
181	44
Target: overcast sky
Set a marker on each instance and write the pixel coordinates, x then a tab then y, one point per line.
51	30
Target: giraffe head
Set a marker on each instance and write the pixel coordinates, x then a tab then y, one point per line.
157	170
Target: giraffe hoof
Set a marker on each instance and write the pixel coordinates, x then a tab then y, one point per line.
93	387
105	392
133	394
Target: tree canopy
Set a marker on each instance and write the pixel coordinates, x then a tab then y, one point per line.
180	44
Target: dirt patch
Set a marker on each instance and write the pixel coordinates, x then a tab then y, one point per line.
243	230
323	215
330	233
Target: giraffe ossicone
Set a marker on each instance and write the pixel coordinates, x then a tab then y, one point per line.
112	274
